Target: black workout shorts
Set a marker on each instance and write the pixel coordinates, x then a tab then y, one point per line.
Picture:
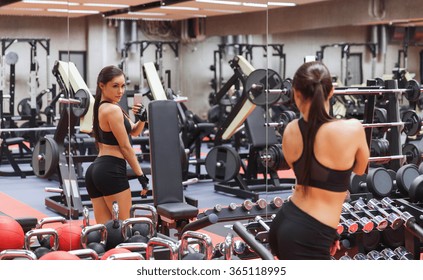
106	176
295	235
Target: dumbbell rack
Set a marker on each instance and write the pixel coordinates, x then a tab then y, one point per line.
393	135
412	243
362	242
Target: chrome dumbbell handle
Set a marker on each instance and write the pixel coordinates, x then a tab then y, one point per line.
366	225
380	222
350	225
394	220
405	216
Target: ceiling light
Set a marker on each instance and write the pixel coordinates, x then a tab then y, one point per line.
72	11
179	8
286	4
258	5
23	9
105	5
51	2
146	14
223	11
220	2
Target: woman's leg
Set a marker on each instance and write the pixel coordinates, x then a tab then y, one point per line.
102	213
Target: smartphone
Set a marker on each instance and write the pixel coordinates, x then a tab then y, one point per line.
137	98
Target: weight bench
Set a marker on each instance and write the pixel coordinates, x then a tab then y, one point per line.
23	149
174	210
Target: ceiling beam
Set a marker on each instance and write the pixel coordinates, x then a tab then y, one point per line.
8	2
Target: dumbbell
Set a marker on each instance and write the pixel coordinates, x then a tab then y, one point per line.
217	208
349	225
405	176
403	254
415	191
260	220
276	202
375	255
345	257
261	203
380	222
405	216
364	222
225	249
378	181
394	220
409	220
247	205
360	257
232	206
389	254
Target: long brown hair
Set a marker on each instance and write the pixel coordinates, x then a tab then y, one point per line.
314	82
106	74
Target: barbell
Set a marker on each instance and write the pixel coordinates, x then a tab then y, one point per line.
80	103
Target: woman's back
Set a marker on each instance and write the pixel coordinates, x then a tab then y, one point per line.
335	149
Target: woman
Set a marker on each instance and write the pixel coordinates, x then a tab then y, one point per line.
106	178
323	152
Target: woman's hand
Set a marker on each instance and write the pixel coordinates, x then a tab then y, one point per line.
335	247
140	112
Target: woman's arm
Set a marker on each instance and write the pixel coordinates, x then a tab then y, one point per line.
137	127
115	120
363	153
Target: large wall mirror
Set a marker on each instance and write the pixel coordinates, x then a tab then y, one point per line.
220	60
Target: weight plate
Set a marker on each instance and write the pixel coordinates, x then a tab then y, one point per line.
79	110
380	116
222	163
11	58
371	240
393	238
45	157
405	177
412	153
412	123
356	182
413	91
287	84
415	192
379	182
266	78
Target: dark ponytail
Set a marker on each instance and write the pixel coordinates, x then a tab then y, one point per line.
314	82
105	76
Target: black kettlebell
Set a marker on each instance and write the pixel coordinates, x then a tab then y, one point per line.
114	229
139	235
94	237
39	233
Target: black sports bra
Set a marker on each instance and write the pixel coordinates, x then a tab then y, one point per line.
321	176
107	137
